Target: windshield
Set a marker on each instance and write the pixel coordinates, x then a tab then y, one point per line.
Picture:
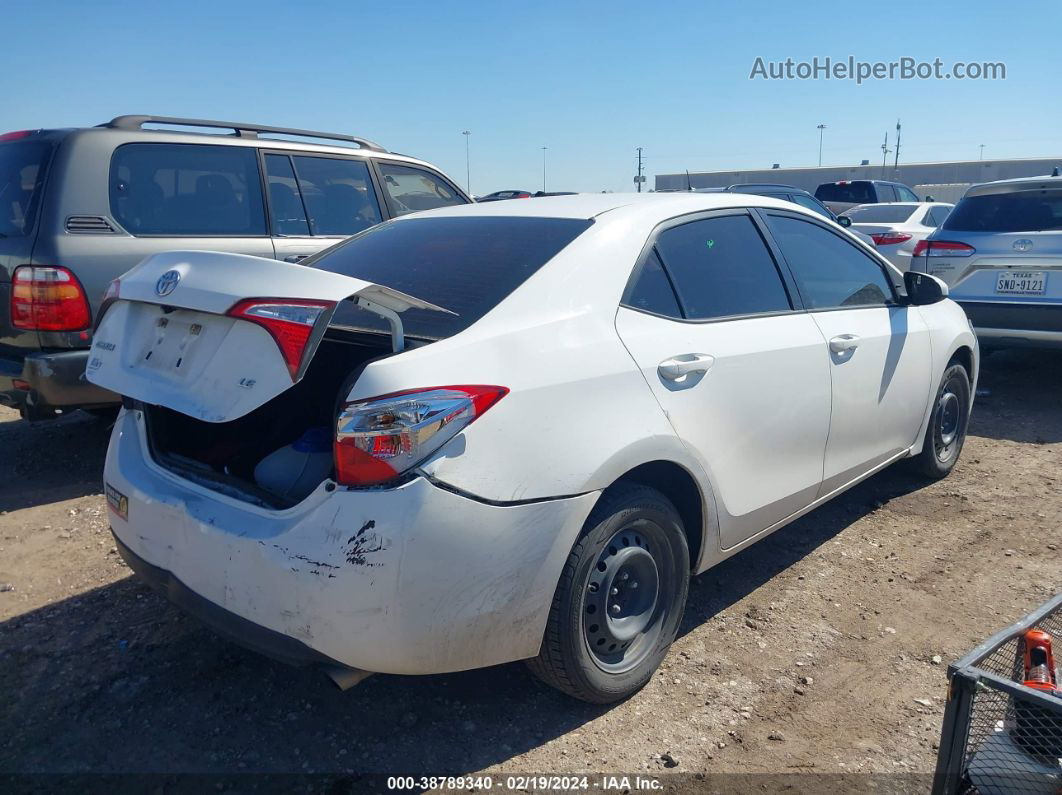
22	167
858	192
465	264
1028	211
881	214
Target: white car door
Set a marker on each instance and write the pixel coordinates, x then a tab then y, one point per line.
879	350
742	375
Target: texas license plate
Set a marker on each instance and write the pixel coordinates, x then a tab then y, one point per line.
1021	283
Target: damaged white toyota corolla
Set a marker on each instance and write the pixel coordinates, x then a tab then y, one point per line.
511	430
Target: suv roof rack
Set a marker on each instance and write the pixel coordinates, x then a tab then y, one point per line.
241	129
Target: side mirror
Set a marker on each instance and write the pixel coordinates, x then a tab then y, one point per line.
923	289
930	199
844	221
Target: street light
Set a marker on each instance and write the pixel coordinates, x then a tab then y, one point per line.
982	157
820	128
544	169
468	167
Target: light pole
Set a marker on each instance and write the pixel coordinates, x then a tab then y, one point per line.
982	157
544	169
820	128
468	167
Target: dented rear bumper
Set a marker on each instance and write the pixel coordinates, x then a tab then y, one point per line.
414	579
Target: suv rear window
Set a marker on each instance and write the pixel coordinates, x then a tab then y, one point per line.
187	190
464	264
1028	211
858	192
22	171
880	214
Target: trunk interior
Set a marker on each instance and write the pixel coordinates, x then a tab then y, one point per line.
224	456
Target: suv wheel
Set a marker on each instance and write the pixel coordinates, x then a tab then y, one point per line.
620	598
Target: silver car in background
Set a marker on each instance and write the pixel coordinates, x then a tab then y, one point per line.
897	227
1000	253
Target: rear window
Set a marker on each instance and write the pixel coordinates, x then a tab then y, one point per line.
857	192
22	171
464	264
880	214
1028	211
186	190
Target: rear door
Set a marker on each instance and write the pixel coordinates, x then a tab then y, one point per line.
188	331
316	201
742	373
879	351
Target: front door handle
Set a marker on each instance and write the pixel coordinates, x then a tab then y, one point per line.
295	257
685	363
844	342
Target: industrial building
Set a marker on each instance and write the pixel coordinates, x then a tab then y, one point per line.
945	181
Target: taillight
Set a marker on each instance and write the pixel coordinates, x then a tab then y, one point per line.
890	238
48	299
382	437
289	321
16	135
942	248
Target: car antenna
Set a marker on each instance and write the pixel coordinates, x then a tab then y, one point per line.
689	187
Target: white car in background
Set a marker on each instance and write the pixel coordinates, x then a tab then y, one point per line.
510	430
898	227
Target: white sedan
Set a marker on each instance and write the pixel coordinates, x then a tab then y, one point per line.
898	227
510	430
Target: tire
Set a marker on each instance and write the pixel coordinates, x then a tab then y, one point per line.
633	537
946	433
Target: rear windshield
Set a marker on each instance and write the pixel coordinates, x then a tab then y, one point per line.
464	264
22	170
1028	211
880	214
857	192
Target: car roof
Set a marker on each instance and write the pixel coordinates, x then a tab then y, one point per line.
591	205
1046	182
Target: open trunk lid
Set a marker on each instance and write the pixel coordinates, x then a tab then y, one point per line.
216	335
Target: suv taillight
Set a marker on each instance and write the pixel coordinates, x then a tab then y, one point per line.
290	323
942	248
48	299
380	438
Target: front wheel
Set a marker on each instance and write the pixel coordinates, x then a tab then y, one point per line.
947	425
620	598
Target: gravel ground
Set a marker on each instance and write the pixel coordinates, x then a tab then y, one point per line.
822	649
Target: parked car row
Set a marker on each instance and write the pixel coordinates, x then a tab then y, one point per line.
79	207
502	195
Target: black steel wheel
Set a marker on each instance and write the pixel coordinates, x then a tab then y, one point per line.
948	422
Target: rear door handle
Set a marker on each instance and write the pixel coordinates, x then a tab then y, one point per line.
685	363
295	257
844	342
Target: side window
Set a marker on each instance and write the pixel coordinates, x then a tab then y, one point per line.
338	195
906	194
285	205
651	290
886	193
722	267
830	272
937	216
187	190
810	204
410	189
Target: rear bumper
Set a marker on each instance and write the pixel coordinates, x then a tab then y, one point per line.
42	381
1001	324
413	579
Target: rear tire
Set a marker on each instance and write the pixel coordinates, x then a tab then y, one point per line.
946	433
620	598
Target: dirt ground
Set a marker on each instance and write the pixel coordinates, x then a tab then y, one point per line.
823	649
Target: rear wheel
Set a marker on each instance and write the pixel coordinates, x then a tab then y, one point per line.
947	424
620	598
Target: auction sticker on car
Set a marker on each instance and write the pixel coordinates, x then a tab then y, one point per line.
1021	283
117	502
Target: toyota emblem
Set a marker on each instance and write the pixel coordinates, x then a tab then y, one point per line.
167	283
1023	245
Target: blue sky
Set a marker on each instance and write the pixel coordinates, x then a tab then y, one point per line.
590	80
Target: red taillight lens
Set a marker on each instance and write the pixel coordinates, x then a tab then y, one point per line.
290	322
380	438
48	299
890	238
942	248
16	135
